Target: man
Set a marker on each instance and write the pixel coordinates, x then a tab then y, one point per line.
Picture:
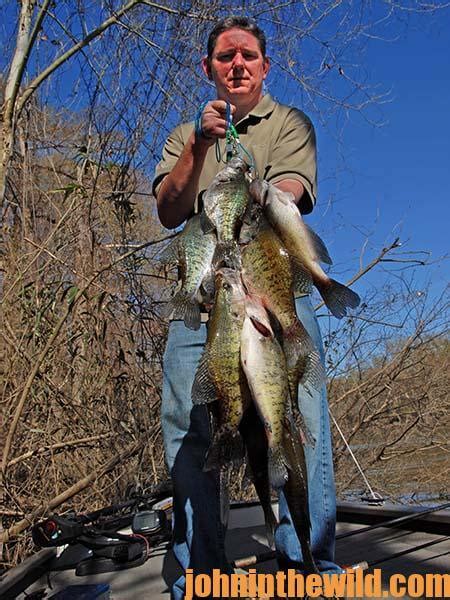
282	142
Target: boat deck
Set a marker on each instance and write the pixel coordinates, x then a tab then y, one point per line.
246	536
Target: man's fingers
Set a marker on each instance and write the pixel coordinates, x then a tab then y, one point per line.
220	106
213	119
213	124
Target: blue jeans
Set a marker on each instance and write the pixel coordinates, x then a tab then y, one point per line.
198	532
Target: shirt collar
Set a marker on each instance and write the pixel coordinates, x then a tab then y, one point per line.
264	107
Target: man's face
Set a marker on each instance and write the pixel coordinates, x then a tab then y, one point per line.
237	67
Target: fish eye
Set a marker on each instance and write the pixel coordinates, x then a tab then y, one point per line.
226	286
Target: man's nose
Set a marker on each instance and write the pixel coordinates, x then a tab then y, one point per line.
238	60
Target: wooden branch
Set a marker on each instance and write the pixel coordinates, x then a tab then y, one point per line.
67	213
58	446
31	88
390	365
18	62
40	359
78	487
395	244
11	513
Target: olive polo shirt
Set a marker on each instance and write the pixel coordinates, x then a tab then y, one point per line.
280	138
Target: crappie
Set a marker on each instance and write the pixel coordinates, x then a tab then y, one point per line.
224	205
296	494
219	375
303	245
193	251
255	442
267	274
265	368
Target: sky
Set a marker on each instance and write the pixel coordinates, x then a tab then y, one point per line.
382	182
393	180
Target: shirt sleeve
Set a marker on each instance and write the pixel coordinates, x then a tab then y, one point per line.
294	157
171	153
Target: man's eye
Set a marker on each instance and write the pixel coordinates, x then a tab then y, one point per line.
225	57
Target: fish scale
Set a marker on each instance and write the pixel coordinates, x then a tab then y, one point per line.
224	205
231	204
193	251
220	376
265	368
303	245
267	273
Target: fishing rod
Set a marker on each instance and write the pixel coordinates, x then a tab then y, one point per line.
372	563
394	522
254	559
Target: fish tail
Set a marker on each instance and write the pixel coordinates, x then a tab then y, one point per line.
308	560
296	493
271	525
184	307
277	467
227	254
338	297
297	342
306	436
226	447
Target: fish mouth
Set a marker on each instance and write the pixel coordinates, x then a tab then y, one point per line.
235	166
238	164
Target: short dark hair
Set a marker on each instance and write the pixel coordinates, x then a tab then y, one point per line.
236	23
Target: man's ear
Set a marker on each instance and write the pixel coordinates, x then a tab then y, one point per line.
266	66
206	66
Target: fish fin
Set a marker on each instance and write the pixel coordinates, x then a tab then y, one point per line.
207	287
261	327
277	467
249	212
302	280
314	375
319	246
296	493
227	254
258	190
338	297
206	224
295	421
184	307
298	343
203	390
246	235
251	223
258	315
171	253
226	447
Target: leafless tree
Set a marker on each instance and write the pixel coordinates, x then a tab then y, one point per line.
89	91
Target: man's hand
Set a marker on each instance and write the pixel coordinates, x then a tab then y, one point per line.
213	120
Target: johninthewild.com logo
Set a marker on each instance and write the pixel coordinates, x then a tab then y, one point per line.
290	584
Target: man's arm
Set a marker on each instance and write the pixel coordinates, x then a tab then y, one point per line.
293	165
291	185
176	196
